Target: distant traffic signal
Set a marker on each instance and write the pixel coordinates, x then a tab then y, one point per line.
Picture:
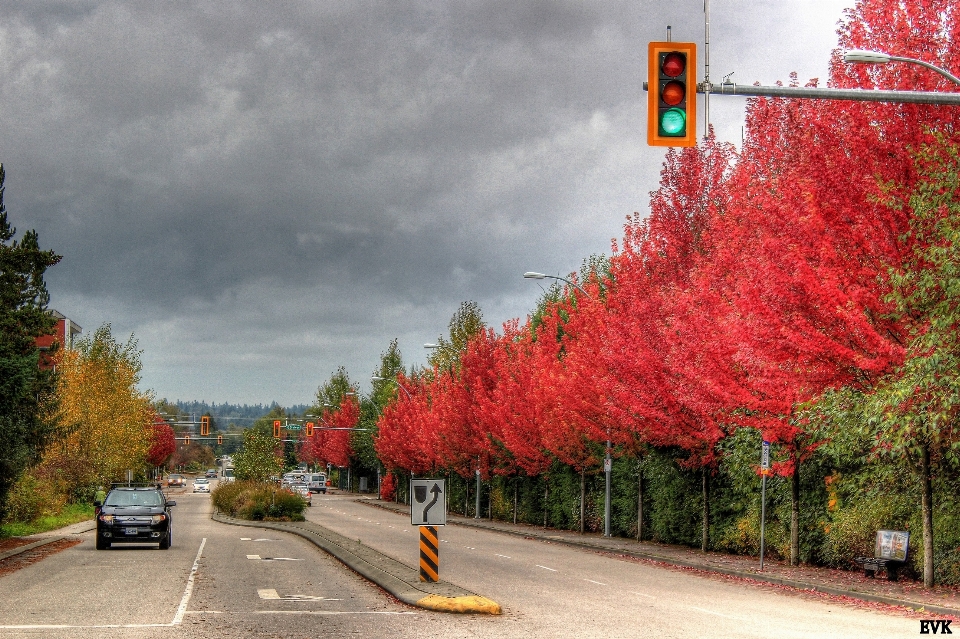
186	440
219	439
276	428
309	432
671	94
204	425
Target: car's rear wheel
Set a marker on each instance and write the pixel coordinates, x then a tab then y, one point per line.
167	541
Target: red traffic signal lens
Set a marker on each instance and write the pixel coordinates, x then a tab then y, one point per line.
673	93
674	64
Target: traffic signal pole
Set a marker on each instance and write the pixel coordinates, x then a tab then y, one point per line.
815	93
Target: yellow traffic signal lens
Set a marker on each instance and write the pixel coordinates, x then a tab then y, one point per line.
673	93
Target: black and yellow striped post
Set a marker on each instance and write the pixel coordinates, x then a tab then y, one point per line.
429	555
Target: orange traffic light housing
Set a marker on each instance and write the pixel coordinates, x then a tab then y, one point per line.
219	439
276	428
186	440
204	425
672	94
309	431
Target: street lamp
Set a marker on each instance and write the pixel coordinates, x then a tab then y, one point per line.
878	57
377	378
531	275
607	460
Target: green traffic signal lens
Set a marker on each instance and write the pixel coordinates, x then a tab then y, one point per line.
673	122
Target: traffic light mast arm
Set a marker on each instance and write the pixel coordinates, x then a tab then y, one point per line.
814	93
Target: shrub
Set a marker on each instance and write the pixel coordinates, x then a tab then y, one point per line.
32	498
259	501
388	487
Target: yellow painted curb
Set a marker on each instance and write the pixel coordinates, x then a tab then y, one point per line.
474	604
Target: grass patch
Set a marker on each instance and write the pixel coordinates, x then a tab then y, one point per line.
71	514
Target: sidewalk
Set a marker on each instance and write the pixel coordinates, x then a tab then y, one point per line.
940	600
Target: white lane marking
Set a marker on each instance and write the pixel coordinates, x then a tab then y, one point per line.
504	556
244	539
642	594
253	556
595	582
545	568
178	618
329	612
271	593
710	612
279	559
469	547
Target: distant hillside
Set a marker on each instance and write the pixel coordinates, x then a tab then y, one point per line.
226	412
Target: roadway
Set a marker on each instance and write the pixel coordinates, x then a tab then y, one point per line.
227	581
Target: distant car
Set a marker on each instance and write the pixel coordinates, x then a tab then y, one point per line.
317	482
176	480
135	515
304	491
211	473
201	485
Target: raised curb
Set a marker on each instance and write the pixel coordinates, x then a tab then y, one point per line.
396	578
27	547
778	581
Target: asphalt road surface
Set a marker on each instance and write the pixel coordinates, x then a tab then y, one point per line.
228	581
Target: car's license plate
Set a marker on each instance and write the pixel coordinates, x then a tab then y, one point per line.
130	531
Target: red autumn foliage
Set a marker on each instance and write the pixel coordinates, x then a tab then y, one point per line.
163	442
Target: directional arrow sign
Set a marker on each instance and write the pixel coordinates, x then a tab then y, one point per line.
429	504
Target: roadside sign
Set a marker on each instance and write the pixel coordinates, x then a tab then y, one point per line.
765	456
428	507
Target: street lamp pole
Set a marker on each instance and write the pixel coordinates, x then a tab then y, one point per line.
531	275
878	57
377	378
607	460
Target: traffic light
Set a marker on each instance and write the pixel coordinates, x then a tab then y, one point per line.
219	439
276	428
204	425
671	94
186	440
309	432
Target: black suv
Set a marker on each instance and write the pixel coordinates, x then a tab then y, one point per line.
135	515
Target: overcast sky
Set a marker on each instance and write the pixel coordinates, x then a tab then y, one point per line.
261	192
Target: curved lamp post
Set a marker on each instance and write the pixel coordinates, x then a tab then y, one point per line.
531	275
377	378
879	57
607	460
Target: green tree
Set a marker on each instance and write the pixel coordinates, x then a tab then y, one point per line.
915	412
383	392
466	322
260	458
24	389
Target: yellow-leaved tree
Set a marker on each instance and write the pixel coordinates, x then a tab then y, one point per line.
104	418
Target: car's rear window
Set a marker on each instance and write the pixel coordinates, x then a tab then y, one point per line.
134	498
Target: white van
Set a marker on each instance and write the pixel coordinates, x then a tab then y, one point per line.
317	482
226	475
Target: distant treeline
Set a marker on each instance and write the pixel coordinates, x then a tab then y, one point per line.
246	412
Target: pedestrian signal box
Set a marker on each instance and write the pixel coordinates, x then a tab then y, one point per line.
671	94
